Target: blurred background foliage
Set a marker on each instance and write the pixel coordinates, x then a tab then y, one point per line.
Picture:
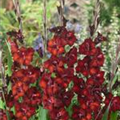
31	14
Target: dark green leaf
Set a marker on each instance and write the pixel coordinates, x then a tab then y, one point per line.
9	60
105	116
114	115
42	114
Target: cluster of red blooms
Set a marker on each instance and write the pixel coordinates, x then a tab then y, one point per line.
55	95
60	70
23	96
68	67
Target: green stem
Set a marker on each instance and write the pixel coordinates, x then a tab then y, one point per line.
18	13
3	82
114	66
96	16
61	12
45	26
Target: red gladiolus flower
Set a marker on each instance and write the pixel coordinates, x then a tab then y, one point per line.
100	38
98	59
108	99
23	96
71	57
83	66
65	77
57	43
55	47
115	104
3	115
59	114
88	48
16	35
22	55
32	97
19	89
55	64
94	106
24	111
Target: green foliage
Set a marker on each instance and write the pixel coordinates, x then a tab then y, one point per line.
114	115
74	101
42	114
105	116
107	11
32	19
9	60
1	104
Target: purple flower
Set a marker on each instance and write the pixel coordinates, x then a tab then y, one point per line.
78	28
73	27
69	26
39	46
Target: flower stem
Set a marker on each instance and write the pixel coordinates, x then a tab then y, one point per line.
61	12
93	27
18	13
45	26
3	80
114	65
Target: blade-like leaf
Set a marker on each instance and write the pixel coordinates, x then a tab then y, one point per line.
114	115
105	116
1	104
9	60
42	114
